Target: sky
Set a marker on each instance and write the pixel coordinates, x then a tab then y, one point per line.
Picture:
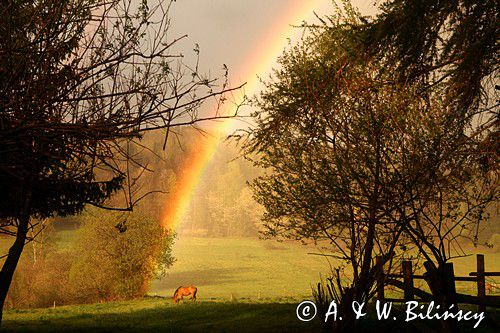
227	30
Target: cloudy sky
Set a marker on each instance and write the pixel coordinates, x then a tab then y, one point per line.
228	31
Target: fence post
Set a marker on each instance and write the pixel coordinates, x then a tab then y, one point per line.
450	287
408	280
380	278
481	283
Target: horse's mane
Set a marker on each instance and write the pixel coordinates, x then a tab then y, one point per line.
176	290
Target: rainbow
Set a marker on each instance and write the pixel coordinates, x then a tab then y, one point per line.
258	62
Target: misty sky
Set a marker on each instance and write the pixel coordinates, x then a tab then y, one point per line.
228	30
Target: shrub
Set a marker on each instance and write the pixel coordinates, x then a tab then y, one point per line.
104	262
119	261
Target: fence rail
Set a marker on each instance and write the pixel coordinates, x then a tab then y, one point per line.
410	291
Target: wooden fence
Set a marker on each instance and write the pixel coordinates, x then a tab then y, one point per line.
405	281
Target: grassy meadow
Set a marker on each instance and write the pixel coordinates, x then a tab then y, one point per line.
244	283
155	314
253	269
159	315
242	269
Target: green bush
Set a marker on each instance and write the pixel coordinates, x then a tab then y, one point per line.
112	257
119	264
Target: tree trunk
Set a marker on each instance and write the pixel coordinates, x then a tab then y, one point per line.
365	282
11	261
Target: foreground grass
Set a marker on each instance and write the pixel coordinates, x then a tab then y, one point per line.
160	315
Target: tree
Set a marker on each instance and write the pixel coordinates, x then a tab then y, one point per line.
111	264
105	260
451	49
80	80
454	43
245	214
449	208
368	159
336	136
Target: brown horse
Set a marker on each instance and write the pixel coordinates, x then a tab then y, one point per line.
185	291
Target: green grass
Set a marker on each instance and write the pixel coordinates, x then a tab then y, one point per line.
160	315
238	269
252	269
248	285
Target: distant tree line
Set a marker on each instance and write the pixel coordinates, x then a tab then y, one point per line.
222	203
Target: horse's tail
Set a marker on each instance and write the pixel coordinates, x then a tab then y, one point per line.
195	291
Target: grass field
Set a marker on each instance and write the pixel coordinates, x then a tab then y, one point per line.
252	269
226	269
160	315
238	269
248	285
